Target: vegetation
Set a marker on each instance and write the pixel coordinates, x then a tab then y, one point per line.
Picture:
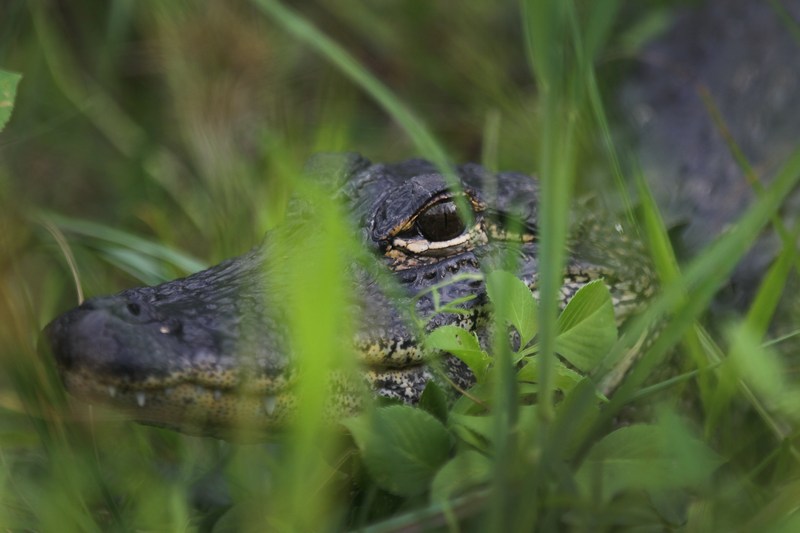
151	138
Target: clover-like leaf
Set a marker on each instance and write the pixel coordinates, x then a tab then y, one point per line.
587	328
463	344
565	378
514	301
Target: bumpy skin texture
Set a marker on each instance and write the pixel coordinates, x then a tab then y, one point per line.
204	353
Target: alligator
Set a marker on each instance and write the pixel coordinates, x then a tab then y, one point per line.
202	353
210	351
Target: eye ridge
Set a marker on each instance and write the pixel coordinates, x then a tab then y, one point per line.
440	222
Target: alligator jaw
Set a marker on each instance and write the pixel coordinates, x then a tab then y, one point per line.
193	392
189	408
145	365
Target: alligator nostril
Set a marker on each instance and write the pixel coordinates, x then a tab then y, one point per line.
134	309
171	327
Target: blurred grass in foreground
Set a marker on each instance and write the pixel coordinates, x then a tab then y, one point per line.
188	123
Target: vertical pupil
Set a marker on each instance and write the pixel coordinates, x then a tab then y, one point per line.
440	222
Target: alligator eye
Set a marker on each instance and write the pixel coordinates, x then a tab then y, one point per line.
440	222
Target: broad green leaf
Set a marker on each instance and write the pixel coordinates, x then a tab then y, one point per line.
513	299
402	447
434	401
646	456
465	471
480	395
587	327
526	390
8	91
477	431
565	378
463	344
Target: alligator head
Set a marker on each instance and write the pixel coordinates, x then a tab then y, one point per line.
211	350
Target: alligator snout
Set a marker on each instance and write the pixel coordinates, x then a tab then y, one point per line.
111	336
132	311
132	352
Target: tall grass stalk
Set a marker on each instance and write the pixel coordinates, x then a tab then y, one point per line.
561	53
89	98
703	278
417	131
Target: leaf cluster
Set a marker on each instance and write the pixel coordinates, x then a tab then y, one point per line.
448	455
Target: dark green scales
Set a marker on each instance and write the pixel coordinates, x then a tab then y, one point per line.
210	351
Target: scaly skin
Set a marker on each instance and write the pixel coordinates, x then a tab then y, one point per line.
209	352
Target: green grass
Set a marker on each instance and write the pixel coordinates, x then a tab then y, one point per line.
152	138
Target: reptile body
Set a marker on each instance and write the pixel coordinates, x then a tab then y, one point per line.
210	351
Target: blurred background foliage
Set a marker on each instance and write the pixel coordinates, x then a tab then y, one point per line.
165	117
184	124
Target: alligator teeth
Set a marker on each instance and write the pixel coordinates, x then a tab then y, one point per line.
217	394
269	404
112	391
141	398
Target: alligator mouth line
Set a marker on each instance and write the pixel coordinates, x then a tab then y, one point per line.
186	404
199	407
